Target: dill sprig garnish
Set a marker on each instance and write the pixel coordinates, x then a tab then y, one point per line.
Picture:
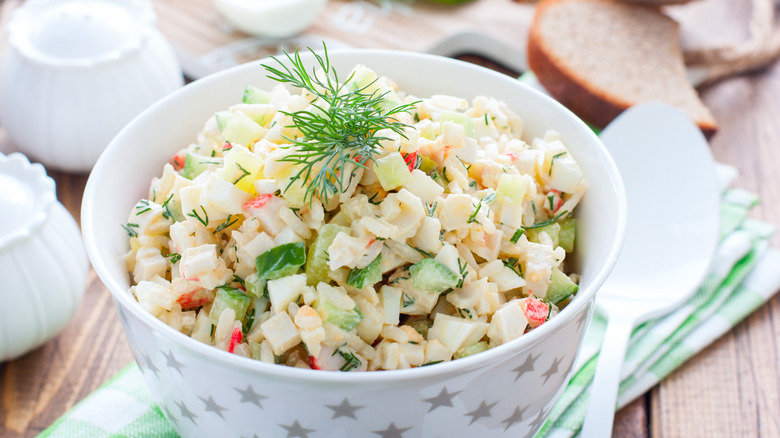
174	256
547	222
339	134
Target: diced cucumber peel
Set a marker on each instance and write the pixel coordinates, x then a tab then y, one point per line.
255	95
326	305
317	268
343	318
513	187
229	297
461	119
392	171
553	230
430	275
368	276
256	286
426	164
222	118
242	130
420	324
479	347
562	233
561	287
195	164
281	261
567	234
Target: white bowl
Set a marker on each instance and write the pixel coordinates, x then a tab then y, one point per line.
270	18
208	392
76	72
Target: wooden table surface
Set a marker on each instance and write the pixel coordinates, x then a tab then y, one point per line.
732	389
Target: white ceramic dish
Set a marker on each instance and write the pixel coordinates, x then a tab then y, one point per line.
207	392
270	18
43	267
76	72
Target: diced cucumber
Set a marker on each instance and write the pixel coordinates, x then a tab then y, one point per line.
173	208
255	95
229	297
513	187
420	323
222	119
426	164
392	171
243	130
390	101
461	119
432	276
561	287
241	168
255	285
439	177
567	234
293	191
364	78
368	276
553	230
317	264
281	261
336	307
479	347
195	164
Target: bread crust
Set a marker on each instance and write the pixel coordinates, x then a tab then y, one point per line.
594	106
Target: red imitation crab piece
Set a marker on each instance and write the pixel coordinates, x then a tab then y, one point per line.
178	161
258	201
411	160
536	311
235	338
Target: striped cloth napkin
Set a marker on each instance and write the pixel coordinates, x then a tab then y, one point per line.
743	277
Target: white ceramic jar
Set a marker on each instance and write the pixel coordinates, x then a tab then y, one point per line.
77	71
43	266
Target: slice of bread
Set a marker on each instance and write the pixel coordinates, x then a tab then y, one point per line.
599	57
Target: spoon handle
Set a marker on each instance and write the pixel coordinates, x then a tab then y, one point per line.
604	389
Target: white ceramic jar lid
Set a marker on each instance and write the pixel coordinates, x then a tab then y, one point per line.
26	195
79	33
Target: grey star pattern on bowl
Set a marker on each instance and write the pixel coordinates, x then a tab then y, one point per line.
581	320
345	409
482	411
149	365
296	430
249	395
392	431
172	362
443	399
516	417
553	370
212	406
527	366
539	420
185	412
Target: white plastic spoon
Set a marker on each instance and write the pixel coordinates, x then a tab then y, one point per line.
671	234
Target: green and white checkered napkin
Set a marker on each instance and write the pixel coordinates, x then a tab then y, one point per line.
744	275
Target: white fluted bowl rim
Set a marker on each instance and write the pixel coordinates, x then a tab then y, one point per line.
23	17
33	175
